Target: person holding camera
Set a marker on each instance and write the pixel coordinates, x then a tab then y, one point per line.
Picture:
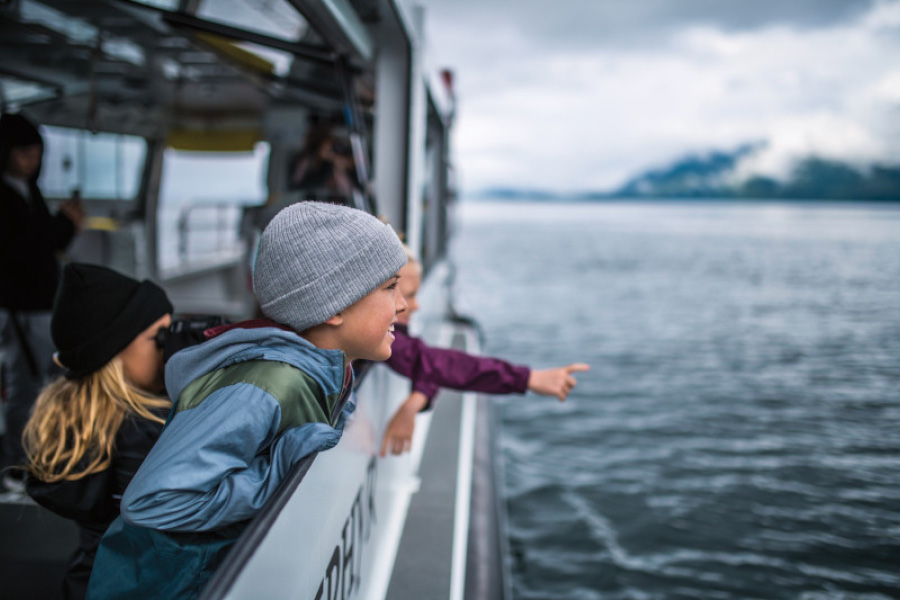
92	427
325	165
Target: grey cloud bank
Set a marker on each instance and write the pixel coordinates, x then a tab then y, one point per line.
592	24
583	95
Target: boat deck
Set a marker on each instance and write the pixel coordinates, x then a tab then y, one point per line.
430	562
34	549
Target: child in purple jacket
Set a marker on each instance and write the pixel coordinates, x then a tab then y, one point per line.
432	368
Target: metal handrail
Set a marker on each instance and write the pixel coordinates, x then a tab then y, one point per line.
220	225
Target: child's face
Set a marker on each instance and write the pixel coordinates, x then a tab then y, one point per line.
142	360
410	282
367	325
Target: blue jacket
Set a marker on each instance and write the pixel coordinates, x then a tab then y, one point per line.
249	404
223	454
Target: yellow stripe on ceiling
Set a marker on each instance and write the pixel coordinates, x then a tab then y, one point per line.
214	141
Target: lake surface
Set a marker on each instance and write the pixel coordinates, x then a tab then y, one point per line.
738	435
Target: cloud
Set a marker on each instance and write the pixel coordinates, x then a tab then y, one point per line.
823	135
884	15
546	103
579	24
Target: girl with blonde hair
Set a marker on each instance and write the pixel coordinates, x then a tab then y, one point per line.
91	428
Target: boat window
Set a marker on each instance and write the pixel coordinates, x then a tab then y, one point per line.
15	91
276	18
201	199
164	4
237	178
80	31
76	30
101	166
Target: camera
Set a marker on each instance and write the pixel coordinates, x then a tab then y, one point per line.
182	333
341	148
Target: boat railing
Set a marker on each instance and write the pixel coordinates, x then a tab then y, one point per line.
202	258
207	229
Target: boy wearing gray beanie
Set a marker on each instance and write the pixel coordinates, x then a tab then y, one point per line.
308	282
255	398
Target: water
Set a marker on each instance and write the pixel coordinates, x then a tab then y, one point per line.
738	435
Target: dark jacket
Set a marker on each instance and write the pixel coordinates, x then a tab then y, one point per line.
30	238
431	368
93	501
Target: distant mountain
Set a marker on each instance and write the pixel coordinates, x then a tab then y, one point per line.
504	193
820	178
694	175
813	178
713	175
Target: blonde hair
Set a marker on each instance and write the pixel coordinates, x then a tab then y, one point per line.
72	431
410	255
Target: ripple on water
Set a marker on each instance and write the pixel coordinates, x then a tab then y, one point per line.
738	435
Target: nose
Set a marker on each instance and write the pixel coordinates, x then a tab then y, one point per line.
399	302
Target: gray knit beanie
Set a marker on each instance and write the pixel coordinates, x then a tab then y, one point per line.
316	259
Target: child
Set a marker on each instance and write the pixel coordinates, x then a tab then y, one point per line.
91	429
432	368
255	399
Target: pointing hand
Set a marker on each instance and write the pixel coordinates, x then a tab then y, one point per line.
556	382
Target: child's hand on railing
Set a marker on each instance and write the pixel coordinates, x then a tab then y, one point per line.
399	432
555	382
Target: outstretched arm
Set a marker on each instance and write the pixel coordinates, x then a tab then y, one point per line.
443	367
556	382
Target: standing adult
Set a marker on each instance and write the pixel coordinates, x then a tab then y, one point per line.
30	238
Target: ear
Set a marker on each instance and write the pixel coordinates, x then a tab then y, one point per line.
336	320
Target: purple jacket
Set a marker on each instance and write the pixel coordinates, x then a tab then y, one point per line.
432	368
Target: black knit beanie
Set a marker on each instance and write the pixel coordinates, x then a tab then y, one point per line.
98	312
16	131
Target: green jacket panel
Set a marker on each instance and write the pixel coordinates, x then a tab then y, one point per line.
300	397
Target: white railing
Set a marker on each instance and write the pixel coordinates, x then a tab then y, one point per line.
205	229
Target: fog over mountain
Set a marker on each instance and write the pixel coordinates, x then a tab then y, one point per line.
584	95
720	175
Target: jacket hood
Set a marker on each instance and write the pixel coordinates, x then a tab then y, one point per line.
237	345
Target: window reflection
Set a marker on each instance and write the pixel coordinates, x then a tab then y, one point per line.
103	166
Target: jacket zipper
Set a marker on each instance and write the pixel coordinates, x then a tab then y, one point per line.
345	394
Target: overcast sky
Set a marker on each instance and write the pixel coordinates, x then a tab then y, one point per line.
577	95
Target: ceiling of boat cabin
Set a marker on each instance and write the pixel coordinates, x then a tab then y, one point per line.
143	66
